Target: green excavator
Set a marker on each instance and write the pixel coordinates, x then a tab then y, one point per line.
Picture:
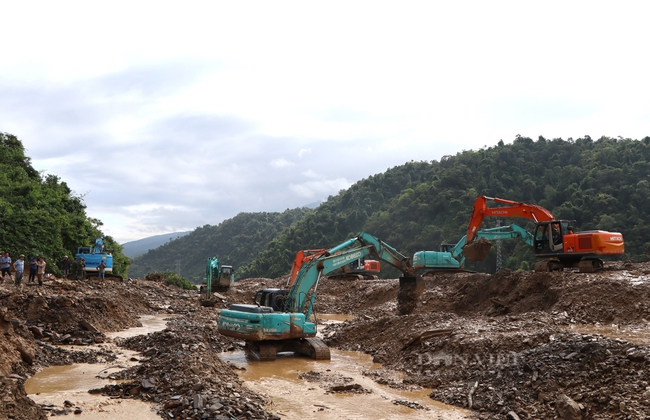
279	320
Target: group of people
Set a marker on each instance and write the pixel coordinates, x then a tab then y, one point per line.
36	269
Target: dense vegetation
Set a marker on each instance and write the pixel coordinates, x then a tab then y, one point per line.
39	214
600	184
603	184
234	242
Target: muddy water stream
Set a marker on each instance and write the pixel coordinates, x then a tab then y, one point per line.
309	397
56	384
627	333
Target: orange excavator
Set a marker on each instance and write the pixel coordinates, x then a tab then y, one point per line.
554	239
361	269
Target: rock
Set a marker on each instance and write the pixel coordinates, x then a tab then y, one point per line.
351	387
172	404
512	416
567	408
36	331
27	353
147	384
88	326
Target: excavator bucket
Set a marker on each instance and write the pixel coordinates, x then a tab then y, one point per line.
477	250
410	289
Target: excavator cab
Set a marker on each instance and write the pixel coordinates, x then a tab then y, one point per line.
549	236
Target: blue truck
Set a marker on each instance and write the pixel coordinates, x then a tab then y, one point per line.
89	258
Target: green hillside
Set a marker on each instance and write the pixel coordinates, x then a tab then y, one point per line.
601	184
39	214
234	242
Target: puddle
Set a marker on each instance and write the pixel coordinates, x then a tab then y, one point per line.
150	324
295	398
633	335
56	384
333	318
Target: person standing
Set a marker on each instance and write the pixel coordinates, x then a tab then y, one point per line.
41	270
101	268
19	265
65	267
33	268
82	265
5	265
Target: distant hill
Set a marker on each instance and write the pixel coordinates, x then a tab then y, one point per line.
134	248
313	205
234	242
602	184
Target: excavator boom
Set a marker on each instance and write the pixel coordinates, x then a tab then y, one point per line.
511	209
453	257
554	239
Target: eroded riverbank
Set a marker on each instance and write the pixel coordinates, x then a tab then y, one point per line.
64	389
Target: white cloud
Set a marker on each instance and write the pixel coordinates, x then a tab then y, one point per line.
281	163
190	114
320	189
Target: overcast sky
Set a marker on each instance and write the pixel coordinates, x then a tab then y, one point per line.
166	116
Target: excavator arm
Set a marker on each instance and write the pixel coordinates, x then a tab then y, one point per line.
454	258
325	262
511	209
288	326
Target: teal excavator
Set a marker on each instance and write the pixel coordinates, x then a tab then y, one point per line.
279	320
452	257
217	276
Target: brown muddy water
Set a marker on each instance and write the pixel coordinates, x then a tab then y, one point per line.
56	384
296	398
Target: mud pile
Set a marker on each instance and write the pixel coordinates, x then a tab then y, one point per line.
500	345
182	373
179	370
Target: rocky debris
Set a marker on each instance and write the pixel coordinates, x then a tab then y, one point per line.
499	344
14	403
182	373
516	359
410	404
334	383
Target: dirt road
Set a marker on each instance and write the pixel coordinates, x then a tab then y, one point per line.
502	346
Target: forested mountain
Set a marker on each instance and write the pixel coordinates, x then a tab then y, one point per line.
40	216
600	184
603	184
234	242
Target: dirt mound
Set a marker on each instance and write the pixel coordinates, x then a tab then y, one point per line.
499	343
495	343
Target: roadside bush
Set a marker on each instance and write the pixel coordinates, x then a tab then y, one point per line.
172	279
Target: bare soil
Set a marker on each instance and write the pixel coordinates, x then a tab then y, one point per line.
497	344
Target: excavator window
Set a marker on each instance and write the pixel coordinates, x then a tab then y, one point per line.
541	238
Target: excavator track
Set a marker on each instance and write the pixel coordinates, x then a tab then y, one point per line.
264	351
320	351
590	265
311	347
